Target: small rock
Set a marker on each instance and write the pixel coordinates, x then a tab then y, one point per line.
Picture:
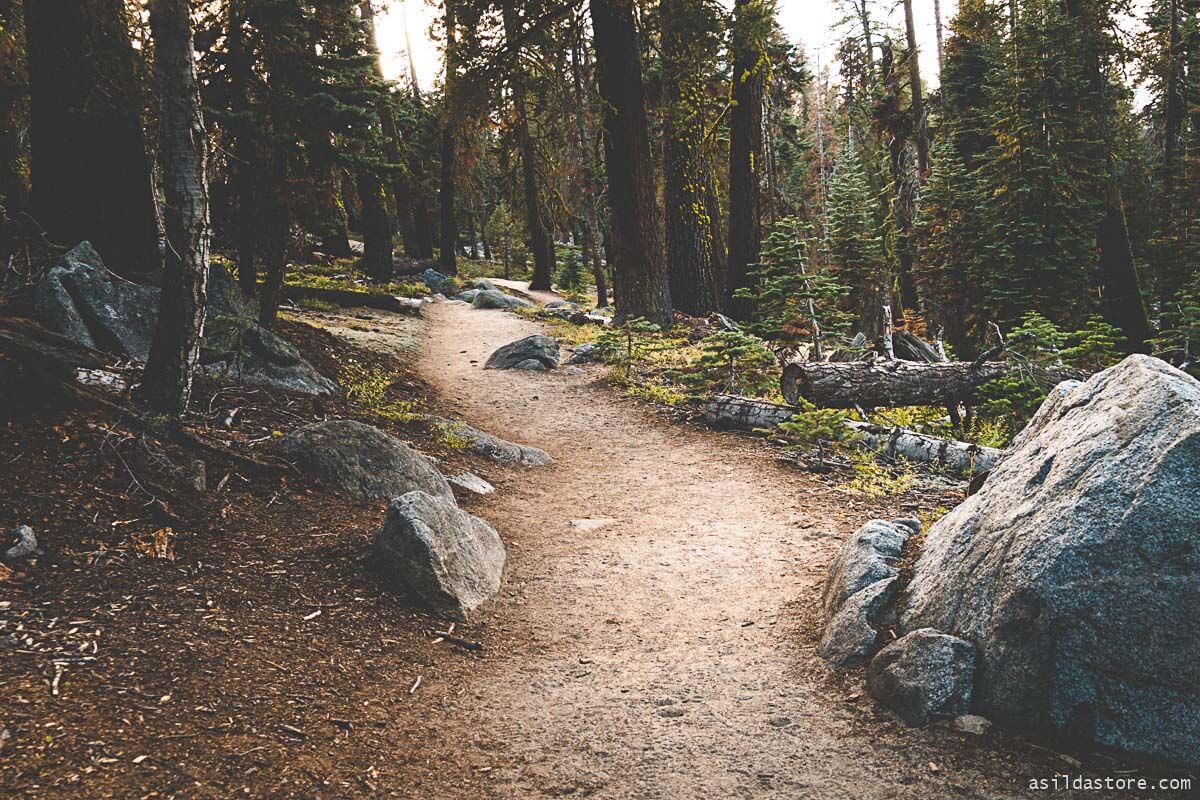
851	637
972	724
26	546
573	371
472	483
588	525
583	353
538	348
530	365
450	559
494	298
923	676
863	560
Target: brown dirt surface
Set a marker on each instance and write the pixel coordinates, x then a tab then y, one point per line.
666	650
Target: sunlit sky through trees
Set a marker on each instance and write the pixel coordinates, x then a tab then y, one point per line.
813	23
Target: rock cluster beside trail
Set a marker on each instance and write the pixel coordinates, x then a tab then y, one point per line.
535	353
862	580
448	558
82	300
1064	596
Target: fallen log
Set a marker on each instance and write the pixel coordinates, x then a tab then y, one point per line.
349	298
744	414
882	384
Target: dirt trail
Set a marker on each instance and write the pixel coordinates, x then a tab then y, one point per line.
669	653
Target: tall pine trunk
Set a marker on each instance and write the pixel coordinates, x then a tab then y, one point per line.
448	261
745	154
90	174
1120	285
691	255
167	382
243	165
591	225
639	270
541	242
918	99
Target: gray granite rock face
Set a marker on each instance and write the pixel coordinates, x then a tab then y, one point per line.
362	460
541	349
451	560
1075	570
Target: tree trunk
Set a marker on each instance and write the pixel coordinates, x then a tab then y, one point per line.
541	243
744	414
90	174
376	262
690	253
918	93
591	225
903	200
277	219
1121	294
448	258
639	270
167	383
243	165
745	154
937	27
862	384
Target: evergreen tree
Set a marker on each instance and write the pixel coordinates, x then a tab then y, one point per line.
853	242
1042	179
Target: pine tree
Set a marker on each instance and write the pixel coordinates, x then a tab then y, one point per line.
1042	179
853	244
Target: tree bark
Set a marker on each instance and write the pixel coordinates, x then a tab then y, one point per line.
745	155
591	225
243	164
691	255
398	186
541	242
861	384
744	414
167	383
448	258
90	174
376	262
918	93
639	271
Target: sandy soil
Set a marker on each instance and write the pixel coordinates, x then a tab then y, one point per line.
671	651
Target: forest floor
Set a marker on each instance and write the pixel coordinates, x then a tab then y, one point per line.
655	635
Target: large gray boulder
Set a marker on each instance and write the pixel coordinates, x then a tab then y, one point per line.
450	559
494	298
865	558
493	447
923	676
1075	570
362	460
81	299
538	348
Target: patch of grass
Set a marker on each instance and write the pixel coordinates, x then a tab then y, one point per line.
367	387
451	435
658	394
872	479
316	304
570	333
